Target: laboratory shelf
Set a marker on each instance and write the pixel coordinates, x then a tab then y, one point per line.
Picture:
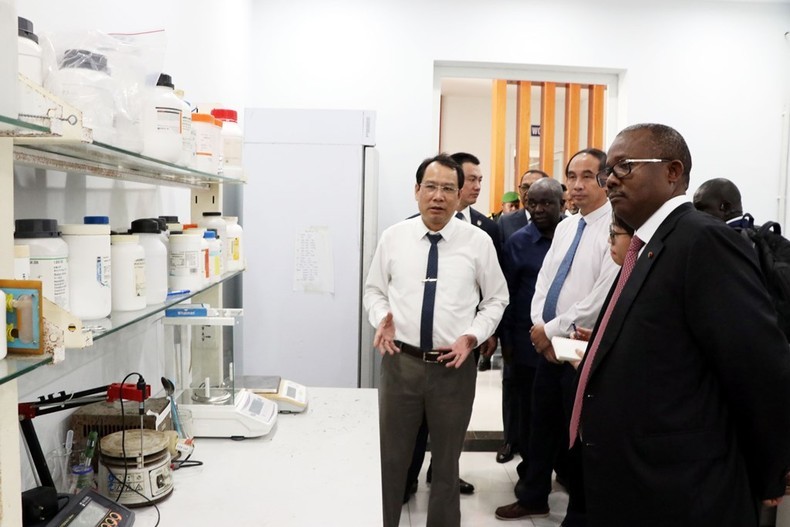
41	147
120	319
16	365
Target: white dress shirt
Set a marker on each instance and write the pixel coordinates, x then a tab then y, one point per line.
651	225
591	275
468	271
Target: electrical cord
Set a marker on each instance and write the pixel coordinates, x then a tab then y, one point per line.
141	387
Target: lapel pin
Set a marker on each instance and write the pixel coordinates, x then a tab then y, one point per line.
650	254
479	222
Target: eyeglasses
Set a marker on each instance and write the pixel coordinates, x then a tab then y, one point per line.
433	187
614	234
622	169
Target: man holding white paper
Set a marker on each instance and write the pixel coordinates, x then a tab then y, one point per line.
571	288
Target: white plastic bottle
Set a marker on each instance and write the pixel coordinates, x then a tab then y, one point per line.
83	80
128	263
235	236
9	59
155	259
185	266
214	255
90	289
206	153
29	63
162	137
232	143
49	257
187	158
191	229
213	220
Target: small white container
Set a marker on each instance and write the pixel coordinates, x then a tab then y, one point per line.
235	236
49	257
232	143
9	59
128	263
162	138
90	289
84	81
192	229
214	256
187	134
155	259
213	220
29	63
21	262
207	138
185	266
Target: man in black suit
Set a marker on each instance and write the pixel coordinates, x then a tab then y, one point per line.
681	410
511	222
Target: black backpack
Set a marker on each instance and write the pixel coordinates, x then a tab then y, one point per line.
773	253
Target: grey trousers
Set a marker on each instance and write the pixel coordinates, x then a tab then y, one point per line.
408	388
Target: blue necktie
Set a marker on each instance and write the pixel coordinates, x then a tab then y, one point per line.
429	294
550	305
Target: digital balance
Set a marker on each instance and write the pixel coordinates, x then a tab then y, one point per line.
290	397
205	341
220	412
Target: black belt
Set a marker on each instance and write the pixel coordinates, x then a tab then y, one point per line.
425	356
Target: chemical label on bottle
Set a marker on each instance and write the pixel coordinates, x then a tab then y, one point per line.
139	277
232	150
184	263
234	249
103	271
168	119
53	273
206	263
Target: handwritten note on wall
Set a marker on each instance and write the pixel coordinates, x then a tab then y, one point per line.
313	269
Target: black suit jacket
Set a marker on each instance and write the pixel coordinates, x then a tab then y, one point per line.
490	227
686	415
510	223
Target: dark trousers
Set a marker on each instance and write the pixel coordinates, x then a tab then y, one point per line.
517	381
421	444
552	402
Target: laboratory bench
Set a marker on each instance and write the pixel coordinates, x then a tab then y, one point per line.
320	467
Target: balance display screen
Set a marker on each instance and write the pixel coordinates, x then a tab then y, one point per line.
291	392
90	516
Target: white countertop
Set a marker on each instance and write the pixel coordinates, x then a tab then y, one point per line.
318	468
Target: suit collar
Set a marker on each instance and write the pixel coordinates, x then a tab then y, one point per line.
650	254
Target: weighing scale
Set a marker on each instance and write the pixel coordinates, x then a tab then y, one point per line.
290	397
220	412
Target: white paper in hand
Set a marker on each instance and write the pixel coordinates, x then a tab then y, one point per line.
565	349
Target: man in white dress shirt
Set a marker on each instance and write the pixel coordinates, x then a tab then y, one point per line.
429	318
572	285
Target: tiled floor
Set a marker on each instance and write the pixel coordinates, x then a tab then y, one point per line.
493	487
493	481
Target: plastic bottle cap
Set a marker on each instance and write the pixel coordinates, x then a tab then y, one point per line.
190	226
145	226
225	114
124	238
79	229
26	29
170	219
165	80
202	118
211	233
96	220
36	228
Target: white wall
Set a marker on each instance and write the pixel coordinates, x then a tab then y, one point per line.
717	71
